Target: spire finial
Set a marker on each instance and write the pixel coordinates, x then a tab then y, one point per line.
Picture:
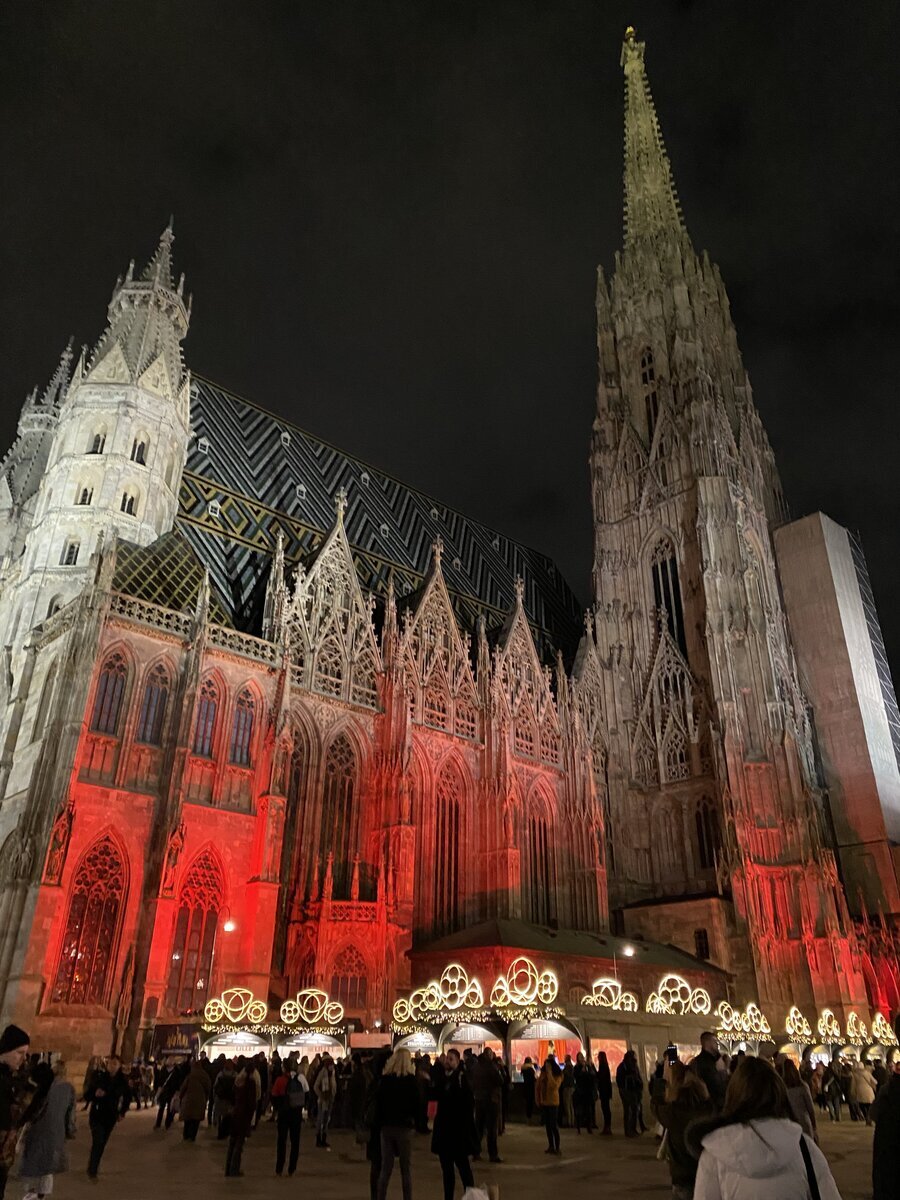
340	504
437	551
652	210
159	269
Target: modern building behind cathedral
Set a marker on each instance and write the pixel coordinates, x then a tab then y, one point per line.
273	720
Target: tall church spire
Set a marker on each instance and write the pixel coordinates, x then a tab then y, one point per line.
652	210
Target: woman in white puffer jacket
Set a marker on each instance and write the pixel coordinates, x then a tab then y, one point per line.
753	1150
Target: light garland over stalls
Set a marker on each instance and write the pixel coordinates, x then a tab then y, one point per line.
607	993
234	1005
454	991
857	1033
882	1031
797	1027
829	1029
312	1007
674	997
751	1023
524	991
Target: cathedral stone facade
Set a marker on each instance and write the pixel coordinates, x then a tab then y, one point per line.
271	718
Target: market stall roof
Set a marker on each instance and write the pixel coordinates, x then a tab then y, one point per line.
519	935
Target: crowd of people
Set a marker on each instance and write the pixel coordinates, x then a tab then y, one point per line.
726	1127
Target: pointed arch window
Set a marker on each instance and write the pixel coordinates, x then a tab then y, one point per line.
195	936
139	451
129	504
92	927
449	850
349	981
338	832
153	707
708	835
667	590
43	708
435	705
97	443
242	729
330	669
466	718
84	497
69	556
207	710
650	393
538	855
110	695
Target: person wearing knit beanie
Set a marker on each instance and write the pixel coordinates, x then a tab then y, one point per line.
13	1095
14	1042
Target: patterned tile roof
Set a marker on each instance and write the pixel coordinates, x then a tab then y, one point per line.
250	474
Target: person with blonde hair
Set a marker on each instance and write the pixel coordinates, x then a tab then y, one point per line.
396	1103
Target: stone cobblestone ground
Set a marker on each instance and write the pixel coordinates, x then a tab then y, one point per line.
141	1164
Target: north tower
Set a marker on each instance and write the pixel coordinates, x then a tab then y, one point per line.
717	835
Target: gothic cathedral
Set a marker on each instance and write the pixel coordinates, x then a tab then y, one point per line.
271	718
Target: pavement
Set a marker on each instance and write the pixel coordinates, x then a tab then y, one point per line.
143	1164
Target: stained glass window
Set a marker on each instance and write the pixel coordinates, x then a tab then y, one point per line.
92	927
337	833
449	850
205	729
242	730
540	871
153	707
110	695
195	936
349	980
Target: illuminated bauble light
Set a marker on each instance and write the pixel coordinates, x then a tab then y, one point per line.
628	951
235	1004
312	1006
828	1028
524	984
674	997
882	1031
797	1026
229	926
857	1033
607	993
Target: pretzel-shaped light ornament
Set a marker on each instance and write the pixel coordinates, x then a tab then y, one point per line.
828	1028
524	984
312	1006
797	1027
607	993
234	1005
674	997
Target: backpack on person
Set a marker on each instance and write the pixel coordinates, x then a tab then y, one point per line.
295	1092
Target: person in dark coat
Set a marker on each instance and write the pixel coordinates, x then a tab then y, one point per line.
529	1078
708	1065
486	1081
604	1090
14	1092
247	1091
685	1099
224	1099
885	1113
110	1097
194	1094
396	1106
289	1092
631	1088
454	1138
49	1120
585	1094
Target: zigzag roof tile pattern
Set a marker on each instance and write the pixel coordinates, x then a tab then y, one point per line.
251	475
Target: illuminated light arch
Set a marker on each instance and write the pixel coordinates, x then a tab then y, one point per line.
234	1005
797	1027
828	1028
312	1006
524	984
607	993
857	1033
453	991
751	1023
882	1031
674	997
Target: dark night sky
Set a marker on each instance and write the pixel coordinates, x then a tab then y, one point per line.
390	215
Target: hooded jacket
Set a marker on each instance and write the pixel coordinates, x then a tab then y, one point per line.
760	1161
